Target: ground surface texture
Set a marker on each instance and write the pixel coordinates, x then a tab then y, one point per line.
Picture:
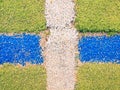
60	49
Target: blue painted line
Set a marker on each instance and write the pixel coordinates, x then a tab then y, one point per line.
20	49
100	49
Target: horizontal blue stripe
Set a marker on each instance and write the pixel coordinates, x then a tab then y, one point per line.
100	49
20	49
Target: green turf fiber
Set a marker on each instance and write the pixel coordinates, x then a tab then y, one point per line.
18	16
22	78
97	15
98	77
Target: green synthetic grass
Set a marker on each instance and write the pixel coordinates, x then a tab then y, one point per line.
97	15
22	78
18	16
98	77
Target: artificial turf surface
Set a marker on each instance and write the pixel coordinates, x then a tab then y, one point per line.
97	15
18	16
32	77
92	76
